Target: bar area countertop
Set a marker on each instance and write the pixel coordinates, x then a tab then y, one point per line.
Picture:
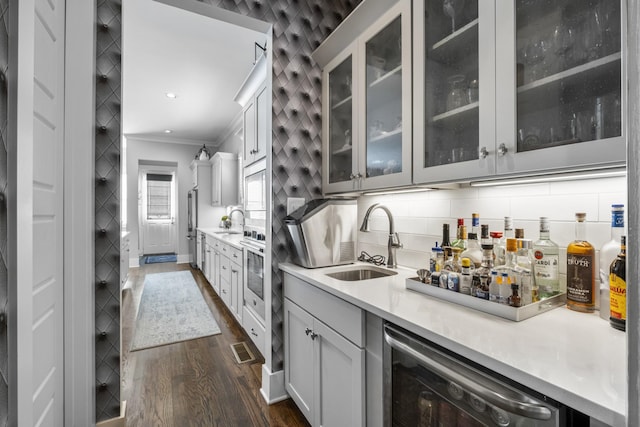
574	358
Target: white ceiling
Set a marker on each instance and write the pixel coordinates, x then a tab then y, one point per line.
201	59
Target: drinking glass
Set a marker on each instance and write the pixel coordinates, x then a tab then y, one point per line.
562	39
452	9
456	97
593	35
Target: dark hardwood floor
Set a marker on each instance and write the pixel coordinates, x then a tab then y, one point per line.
196	382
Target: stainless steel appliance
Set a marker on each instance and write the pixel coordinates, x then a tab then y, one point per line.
192	224
254	277
427	385
323	232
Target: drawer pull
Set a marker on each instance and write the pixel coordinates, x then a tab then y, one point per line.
313	335
307	331
253	333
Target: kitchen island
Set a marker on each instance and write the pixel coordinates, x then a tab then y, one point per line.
574	358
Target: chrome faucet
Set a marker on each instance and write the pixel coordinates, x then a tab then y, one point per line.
394	240
237	210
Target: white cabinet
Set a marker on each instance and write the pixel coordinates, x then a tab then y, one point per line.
200	173
517	88
199	252
224	179
208	261
367	106
324	356
254	328
255	117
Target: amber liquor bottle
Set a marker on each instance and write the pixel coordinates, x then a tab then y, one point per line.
618	286
581	272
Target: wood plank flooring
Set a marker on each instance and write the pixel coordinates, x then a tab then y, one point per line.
196	382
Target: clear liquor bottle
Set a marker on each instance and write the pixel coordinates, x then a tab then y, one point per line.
524	273
581	272
618	285
498	247
475	223
465	277
481	278
473	251
608	254
461	236
546	262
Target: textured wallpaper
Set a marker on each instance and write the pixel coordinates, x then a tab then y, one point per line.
4	66
298	29
107	208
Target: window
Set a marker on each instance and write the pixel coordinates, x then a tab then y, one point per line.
159	188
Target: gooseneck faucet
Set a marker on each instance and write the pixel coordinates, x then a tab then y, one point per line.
237	210
394	240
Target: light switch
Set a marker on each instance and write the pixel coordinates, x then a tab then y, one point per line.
294	203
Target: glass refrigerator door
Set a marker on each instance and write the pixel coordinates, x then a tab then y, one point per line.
568	72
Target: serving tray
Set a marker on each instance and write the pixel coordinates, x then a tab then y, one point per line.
512	313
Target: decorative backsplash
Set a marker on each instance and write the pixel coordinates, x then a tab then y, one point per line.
107	208
4	67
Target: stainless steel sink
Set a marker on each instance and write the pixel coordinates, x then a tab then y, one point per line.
361	273
228	232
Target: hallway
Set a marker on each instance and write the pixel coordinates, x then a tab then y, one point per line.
196	382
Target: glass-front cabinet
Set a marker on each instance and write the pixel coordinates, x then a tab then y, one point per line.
367	108
516	86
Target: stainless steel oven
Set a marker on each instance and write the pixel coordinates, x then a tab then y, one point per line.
426	385
254	277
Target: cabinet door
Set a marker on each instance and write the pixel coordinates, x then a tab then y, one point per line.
262	110
207	264
236	291
215	270
454	89
249	129
384	74
216	181
560	64
340	131
299	358
339	379
198	253
225	292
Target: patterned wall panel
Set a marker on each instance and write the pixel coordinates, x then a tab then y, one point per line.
4	66
107	208
299	26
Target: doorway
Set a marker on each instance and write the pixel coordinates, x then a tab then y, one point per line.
157	213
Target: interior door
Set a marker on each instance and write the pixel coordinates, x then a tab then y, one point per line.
158	216
38	235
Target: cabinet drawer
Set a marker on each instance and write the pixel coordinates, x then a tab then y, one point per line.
345	318
254	328
225	268
234	254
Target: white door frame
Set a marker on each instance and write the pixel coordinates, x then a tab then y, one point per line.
143	170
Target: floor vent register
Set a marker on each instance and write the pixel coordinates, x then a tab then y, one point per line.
242	353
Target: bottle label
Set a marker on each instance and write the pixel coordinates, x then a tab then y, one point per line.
465	284
580	278
546	266
618	297
617	219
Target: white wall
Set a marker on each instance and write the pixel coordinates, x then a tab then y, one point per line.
419	216
141	150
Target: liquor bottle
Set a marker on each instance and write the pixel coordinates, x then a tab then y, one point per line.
482	276
461	238
446	242
608	254
618	287
475	223
453	263
498	247
524	273
581	272
473	251
509	268
505	288
519	233
546	262
494	286
465	277
484	235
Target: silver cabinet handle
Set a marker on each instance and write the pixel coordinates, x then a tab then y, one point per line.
307	331
313	335
253	333
502	149
224	291
450	369
484	152
352	176
224	268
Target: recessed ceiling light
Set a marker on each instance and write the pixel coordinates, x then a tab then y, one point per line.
171	95
168	131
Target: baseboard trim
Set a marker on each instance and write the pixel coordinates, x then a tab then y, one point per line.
120	421
272	389
184	258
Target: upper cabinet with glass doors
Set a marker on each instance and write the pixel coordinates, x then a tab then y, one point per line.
367	107
517	87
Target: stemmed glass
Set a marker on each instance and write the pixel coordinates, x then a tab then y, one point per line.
562	40
452	8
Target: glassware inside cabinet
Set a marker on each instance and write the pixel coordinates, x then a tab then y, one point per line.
340	122
568	72
384	101
451	82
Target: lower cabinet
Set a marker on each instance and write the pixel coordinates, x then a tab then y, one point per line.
225	280
324	371
254	328
237	290
124	259
207	262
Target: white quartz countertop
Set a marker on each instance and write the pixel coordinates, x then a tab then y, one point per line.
223	235
574	358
